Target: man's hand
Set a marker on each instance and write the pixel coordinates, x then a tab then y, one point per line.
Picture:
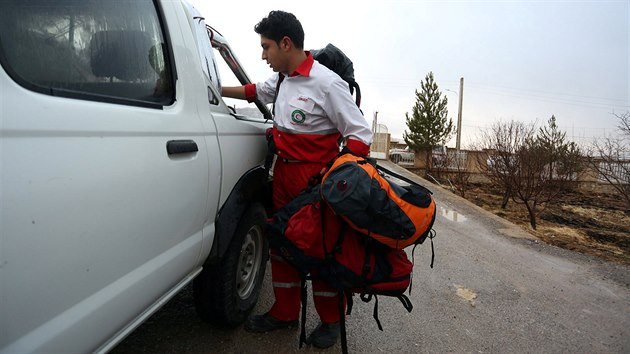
237	92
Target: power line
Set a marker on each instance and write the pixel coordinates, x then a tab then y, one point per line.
529	94
561	100
542	92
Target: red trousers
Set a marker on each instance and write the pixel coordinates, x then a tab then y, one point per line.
289	179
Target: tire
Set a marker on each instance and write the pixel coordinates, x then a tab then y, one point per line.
227	292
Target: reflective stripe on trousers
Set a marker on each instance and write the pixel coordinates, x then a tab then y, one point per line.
324	293
286	285
287	282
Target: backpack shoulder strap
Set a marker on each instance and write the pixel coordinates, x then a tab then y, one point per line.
275	96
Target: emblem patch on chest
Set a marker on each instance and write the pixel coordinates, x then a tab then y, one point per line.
298	116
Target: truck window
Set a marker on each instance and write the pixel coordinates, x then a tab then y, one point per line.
111	51
206	54
229	79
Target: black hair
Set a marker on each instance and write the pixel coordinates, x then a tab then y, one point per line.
279	24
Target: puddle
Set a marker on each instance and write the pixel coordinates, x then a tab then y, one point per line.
452	215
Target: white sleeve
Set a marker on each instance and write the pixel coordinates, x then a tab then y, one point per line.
266	91
342	110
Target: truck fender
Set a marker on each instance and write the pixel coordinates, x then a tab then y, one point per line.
253	186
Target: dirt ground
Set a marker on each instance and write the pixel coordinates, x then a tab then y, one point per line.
594	224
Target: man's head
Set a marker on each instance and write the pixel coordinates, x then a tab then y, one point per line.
280	24
282	38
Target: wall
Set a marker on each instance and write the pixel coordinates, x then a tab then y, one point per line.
475	162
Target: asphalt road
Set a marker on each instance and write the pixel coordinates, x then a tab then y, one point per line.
493	288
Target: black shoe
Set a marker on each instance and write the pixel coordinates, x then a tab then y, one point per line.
324	336
267	323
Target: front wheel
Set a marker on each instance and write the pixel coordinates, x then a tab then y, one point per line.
227	292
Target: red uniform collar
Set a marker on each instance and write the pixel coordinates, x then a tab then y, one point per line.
304	68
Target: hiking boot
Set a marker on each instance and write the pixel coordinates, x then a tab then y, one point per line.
267	323
324	336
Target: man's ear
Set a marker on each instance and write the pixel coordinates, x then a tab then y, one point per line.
286	43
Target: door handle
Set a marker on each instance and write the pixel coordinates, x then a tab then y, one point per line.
181	147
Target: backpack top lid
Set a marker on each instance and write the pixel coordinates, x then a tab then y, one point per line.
397	216
334	59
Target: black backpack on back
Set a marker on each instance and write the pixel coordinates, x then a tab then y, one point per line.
334	59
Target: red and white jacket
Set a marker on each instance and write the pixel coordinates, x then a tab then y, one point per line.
313	110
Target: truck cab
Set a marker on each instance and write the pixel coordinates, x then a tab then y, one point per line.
124	176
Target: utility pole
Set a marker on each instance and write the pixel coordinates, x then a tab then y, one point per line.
375	122
376	138
459	115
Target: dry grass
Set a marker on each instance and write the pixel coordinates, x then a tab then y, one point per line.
598	225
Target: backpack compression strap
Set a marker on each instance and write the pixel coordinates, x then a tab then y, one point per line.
342	322
367	297
400	177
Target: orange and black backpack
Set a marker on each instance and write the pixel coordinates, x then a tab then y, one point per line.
325	234
397	216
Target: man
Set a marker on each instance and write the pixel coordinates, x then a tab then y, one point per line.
313	111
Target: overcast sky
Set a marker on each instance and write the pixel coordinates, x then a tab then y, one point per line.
520	60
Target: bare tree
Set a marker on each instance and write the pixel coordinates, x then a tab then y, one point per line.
546	165
457	162
611	158
532	167
502	142
624	125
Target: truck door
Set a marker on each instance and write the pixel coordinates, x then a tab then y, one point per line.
104	174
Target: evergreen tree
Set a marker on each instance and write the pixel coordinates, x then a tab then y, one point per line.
428	125
560	154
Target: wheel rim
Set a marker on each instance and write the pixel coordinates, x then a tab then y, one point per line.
249	262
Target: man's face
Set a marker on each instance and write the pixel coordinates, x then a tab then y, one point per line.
273	54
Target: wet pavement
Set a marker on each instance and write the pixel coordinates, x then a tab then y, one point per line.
494	288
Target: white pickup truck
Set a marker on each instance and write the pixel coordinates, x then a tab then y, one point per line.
123	174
